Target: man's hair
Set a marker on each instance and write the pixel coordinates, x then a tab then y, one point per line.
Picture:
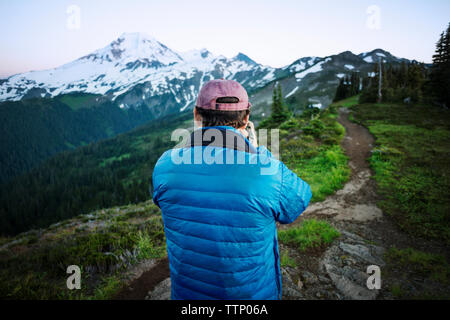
211	118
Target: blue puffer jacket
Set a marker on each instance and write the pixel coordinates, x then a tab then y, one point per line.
219	219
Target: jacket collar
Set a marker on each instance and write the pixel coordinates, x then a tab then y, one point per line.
230	138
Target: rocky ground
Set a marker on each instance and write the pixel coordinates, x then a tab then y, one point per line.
339	271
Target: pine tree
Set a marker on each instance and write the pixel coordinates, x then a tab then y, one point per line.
275	102
348	86
440	73
340	91
279	112
439	53
446	69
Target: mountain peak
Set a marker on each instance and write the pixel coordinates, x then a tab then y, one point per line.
378	51
242	57
136	35
205	53
377	54
136	38
133	46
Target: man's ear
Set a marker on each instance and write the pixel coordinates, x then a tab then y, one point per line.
197	117
246	120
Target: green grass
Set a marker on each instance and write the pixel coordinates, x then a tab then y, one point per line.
422	263
432	269
411	161
349	102
286	260
106	290
310	234
311	148
397	291
325	173
37	269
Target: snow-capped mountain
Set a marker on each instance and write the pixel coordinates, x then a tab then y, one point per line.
313	80
138	71
137	59
377	54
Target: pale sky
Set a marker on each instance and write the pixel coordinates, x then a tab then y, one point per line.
40	34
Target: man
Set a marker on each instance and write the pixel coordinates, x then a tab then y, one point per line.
220	197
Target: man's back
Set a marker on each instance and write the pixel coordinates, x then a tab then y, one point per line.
219	220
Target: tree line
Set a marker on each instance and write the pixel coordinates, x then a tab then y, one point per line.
408	82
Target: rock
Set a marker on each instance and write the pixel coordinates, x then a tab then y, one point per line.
324	279
330	257
286	279
348	260
352	236
162	291
377	250
289	288
290	270
348	288
361	252
291	293
360	212
299	284
351	290
309	278
355	275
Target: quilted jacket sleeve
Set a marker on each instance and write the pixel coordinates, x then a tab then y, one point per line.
154	191
155	184
294	196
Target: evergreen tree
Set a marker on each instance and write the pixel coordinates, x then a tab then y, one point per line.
440	74
369	94
439	53
348	87
415	81
340	91
279	112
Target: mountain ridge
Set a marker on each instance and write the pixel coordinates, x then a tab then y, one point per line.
131	59
135	59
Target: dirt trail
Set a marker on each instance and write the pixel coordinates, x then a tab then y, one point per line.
145	282
356	201
340	271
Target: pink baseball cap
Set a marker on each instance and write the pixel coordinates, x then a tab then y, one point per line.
226	95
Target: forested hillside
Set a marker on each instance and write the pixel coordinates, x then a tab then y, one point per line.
33	130
112	172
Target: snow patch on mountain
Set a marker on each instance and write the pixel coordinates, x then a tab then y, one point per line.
316	68
368	59
291	93
132	59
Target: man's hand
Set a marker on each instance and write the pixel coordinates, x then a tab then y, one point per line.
252	134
